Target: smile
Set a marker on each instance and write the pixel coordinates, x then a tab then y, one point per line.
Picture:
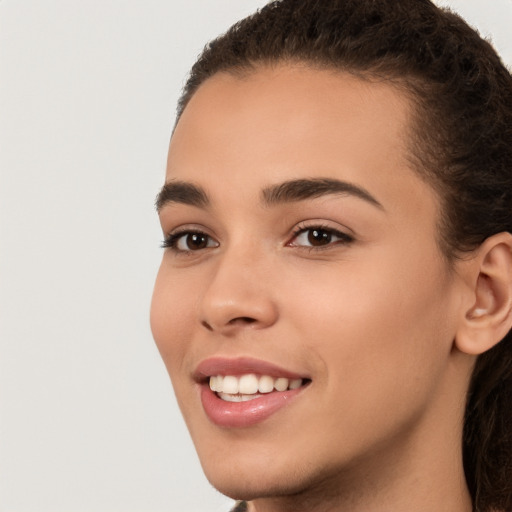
245	392
249	386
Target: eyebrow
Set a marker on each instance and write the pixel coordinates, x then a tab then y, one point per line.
302	189
183	193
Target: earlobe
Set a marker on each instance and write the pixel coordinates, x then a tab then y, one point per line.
489	318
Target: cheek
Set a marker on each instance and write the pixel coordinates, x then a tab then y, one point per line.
171	319
382	331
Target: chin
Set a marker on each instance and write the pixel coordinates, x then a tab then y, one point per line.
246	488
240	479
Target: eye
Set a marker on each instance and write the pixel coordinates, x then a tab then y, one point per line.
317	236
187	241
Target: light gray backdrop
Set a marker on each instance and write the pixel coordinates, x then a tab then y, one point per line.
88	421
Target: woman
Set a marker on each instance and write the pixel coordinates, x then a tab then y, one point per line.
335	298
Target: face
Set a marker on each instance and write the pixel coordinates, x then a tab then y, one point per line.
302	275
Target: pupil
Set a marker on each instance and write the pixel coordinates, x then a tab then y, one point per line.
196	241
319	237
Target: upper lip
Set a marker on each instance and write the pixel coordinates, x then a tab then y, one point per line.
239	366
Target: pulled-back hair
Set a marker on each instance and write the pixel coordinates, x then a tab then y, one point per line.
460	143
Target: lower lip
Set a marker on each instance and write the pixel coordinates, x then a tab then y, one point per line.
244	414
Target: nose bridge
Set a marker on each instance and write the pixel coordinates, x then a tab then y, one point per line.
239	293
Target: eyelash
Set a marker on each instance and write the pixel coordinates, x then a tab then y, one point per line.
172	241
344	238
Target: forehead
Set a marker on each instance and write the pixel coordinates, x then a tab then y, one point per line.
293	121
283	106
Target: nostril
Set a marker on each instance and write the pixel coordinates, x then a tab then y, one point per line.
207	325
242	320
237	321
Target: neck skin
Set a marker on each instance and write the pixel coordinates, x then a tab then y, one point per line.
423	472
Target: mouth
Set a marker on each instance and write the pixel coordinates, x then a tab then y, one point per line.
250	386
244	392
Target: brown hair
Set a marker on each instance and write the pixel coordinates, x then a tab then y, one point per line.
461	143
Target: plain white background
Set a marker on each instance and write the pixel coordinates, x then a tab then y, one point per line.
88	421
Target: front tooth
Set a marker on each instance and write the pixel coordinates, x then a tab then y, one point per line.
281	384
230	385
295	383
248	384
266	384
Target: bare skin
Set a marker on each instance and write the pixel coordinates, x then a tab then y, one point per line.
369	315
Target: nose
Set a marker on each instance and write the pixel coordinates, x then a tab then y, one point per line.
239	295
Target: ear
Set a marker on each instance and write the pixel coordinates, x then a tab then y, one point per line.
488	318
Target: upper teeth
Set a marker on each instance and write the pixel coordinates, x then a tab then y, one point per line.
250	384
